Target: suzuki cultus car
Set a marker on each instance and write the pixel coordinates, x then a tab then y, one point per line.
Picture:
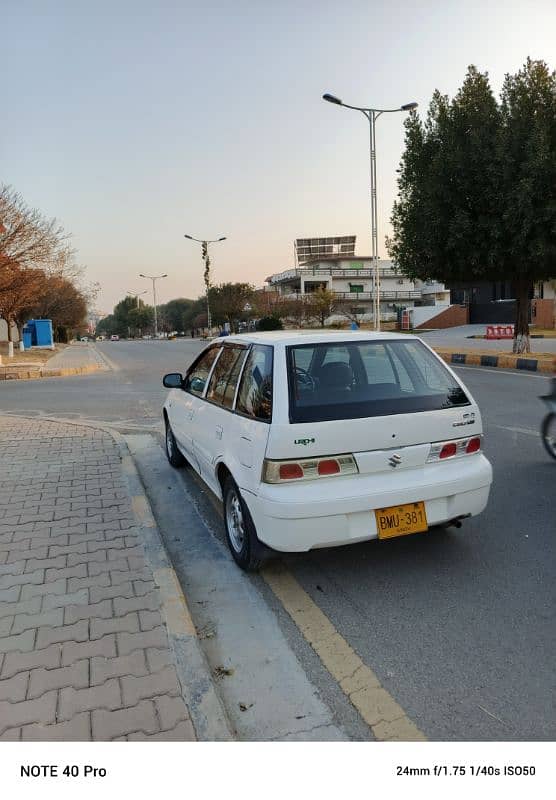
322	439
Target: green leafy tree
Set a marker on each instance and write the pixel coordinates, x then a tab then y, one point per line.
320	305
228	302
270	324
107	326
477	187
528	158
140	319
175	312
129	317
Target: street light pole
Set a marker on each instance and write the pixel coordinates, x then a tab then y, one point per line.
154	279
205	256
372	114
136	295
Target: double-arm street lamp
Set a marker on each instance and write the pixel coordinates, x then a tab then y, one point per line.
154	278
205	256
136	295
372	115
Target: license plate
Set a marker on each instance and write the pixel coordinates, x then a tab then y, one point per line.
401	520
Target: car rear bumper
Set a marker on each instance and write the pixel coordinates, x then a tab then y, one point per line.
301	516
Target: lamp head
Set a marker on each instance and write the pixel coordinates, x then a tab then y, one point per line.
222	238
330	98
409	106
187	236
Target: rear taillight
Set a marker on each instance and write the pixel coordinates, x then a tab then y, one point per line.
455	448
448	450
308	468
473	445
290	472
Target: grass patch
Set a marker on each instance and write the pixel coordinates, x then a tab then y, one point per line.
32	357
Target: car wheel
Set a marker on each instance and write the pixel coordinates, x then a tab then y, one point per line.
549	434
172	452
241	534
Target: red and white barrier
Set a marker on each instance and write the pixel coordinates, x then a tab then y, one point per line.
499	332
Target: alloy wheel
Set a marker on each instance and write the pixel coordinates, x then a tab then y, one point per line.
235	521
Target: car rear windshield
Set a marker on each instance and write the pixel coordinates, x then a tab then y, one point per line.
350	380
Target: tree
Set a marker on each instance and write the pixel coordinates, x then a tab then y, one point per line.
528	203
270	323
175	312
18	290
37	265
107	326
130	316
60	301
477	187
140	318
27	239
295	310
228	302
320	305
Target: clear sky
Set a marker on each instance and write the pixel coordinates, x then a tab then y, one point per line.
135	122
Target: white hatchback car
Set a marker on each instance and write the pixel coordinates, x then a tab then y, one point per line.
320	439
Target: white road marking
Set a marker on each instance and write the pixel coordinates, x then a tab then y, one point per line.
504	371
526	431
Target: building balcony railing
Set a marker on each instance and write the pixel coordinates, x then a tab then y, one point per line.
433	288
308	273
407	294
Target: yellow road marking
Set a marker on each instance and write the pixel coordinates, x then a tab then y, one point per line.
387	720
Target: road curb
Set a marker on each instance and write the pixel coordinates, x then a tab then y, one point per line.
26	373
207	712
454	357
205	707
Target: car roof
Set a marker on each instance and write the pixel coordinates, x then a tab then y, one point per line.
310	337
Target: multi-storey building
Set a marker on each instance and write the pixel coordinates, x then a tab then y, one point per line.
352	280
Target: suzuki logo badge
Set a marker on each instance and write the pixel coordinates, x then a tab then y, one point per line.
395	459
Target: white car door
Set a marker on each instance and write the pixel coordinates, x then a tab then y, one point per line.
214	427
184	404
253	415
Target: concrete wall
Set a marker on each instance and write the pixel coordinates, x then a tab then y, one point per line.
543	313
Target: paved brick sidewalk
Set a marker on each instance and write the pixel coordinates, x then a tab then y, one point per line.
76	356
84	651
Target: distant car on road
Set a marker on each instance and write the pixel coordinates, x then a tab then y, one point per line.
114	338
320	439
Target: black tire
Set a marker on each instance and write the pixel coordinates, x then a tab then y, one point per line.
548	433
173	454
247	550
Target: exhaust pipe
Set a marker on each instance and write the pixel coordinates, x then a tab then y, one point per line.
456	522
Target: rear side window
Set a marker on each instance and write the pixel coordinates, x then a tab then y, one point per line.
367	379
255	392
223	382
198	374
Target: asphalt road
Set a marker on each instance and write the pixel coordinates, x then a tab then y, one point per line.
458	626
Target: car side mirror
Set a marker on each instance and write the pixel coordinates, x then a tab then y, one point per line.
174	380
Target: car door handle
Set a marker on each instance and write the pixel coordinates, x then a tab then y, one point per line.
190	415
219	431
